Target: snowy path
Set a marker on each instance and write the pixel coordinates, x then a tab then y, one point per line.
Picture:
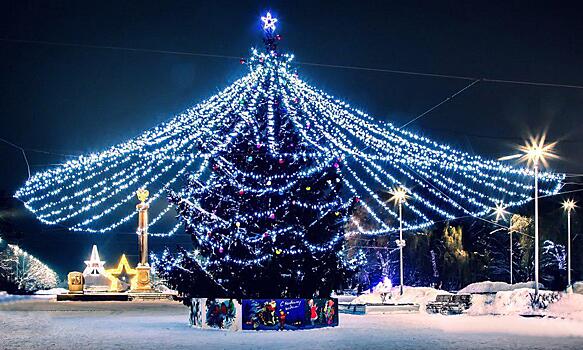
41	324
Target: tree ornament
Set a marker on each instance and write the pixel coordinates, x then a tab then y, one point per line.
277	251
241	192
242	61
250	158
238	224
221	250
281	161
272	216
268	183
308	188
336	165
337	213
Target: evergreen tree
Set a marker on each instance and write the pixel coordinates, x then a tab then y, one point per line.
269	220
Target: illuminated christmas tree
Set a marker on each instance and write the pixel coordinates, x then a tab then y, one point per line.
251	152
269	220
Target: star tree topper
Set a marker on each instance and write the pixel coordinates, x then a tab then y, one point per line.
269	22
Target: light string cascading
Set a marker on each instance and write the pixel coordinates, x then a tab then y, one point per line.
94	193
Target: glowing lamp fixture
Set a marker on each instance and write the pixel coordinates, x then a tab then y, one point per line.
398	195
500	211
569	205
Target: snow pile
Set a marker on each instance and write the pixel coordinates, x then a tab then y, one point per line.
495	287
570	306
415	295
514	302
578	287
517	302
52	291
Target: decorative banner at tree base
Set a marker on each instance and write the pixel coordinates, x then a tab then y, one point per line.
215	313
263	314
289	314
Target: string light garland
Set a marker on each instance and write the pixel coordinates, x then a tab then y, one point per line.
93	192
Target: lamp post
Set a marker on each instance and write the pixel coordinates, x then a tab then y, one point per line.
535	151
399	196
500	211
568	206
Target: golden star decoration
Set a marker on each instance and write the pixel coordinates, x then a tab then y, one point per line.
122	266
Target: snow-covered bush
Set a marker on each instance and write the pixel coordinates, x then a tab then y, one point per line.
21	272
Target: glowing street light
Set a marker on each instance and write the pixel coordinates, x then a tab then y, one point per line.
568	206
535	152
500	211
399	196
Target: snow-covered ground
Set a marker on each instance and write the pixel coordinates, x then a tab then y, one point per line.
42	324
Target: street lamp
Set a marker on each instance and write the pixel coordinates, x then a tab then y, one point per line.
399	196
535	152
500	211
568	206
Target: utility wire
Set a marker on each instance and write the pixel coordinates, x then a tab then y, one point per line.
440	103
21	150
350	67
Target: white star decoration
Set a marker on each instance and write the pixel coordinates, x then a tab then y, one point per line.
94	264
269	22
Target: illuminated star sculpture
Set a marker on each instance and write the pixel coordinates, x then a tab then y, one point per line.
123	272
94	264
269	22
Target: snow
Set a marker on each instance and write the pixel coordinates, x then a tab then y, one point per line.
41	324
517	302
415	295
494	287
52	291
570	306
514	302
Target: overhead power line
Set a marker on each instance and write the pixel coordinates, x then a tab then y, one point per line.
315	64
440	103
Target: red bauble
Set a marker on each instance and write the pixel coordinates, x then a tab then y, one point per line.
272	216
242	61
281	161
241	192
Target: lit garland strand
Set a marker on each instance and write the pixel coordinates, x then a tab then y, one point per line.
86	193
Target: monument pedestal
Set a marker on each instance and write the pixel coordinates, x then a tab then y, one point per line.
143	279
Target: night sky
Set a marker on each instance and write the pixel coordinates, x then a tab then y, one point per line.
59	101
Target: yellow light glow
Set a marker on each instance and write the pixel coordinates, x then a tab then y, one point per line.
115	272
398	195
569	204
143	194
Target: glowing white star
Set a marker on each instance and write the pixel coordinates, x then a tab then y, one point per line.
94	264
269	22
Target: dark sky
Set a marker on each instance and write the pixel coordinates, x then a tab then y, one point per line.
70	100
